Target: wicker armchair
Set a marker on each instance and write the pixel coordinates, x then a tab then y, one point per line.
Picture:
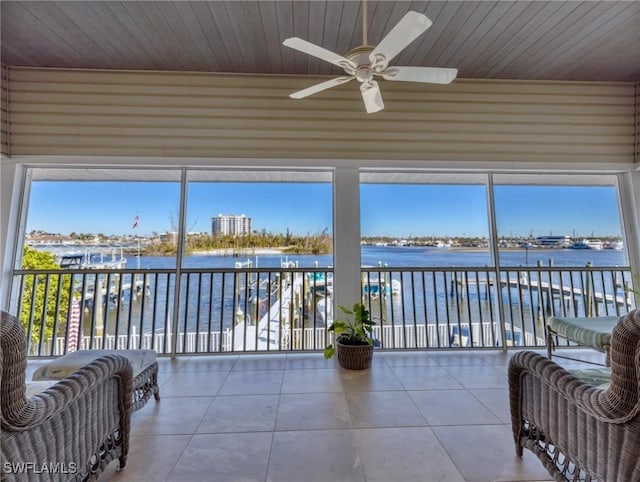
579	431
71	430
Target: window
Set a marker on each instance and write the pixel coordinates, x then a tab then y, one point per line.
558	219
262	218
418	219
112	217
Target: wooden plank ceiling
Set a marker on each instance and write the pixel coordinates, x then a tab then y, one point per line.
555	40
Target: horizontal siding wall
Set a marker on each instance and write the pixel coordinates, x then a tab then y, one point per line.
4	110
637	154
128	113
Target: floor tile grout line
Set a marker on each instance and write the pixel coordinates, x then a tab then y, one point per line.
484	404
273	438
175	466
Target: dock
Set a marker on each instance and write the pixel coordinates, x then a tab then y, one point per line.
117	290
557	290
273	325
566	292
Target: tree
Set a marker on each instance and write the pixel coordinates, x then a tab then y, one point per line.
49	300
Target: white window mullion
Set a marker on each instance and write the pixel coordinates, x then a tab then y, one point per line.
181	239
346	236
629	195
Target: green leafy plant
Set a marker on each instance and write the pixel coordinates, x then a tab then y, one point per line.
355	329
45	298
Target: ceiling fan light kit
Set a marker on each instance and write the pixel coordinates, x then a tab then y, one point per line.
366	62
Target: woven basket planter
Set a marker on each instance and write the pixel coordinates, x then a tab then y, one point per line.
354	357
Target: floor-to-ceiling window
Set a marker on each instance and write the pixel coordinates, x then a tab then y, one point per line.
427	263
109	223
251	240
561	249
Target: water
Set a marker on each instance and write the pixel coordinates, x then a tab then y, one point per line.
404	257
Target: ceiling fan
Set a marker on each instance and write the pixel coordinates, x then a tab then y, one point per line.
366	62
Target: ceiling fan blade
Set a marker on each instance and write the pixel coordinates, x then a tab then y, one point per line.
314	89
371	96
431	75
410	27
319	52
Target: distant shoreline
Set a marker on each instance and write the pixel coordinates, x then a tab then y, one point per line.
283	250
238	252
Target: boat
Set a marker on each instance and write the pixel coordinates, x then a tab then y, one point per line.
320	284
588	244
374	286
323	308
71	261
88	260
553	241
617	245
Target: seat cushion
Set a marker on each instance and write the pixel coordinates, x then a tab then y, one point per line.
594	332
33	388
65	365
598	377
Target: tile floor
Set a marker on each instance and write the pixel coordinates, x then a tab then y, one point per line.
435	416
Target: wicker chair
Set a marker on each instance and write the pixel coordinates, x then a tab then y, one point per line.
69	431
580	431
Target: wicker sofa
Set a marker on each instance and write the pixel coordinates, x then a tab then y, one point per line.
71	430
580	431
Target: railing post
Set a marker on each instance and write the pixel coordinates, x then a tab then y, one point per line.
589	308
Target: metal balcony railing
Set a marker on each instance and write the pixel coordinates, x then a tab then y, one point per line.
289	309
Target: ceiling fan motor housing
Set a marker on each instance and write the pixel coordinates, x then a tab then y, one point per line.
359	57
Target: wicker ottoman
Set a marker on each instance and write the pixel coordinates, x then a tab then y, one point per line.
143	364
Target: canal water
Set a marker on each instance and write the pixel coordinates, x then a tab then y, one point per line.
404	256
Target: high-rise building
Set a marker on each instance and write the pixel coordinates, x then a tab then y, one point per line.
230	225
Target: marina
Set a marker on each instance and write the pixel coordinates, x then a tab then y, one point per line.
112	290
283	303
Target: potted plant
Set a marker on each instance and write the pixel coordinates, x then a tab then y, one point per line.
354	342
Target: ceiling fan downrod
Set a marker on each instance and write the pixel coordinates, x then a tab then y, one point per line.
365	24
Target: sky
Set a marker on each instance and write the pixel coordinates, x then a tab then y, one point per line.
575	211
395	210
111	207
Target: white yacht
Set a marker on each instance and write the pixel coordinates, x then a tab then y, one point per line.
588	244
